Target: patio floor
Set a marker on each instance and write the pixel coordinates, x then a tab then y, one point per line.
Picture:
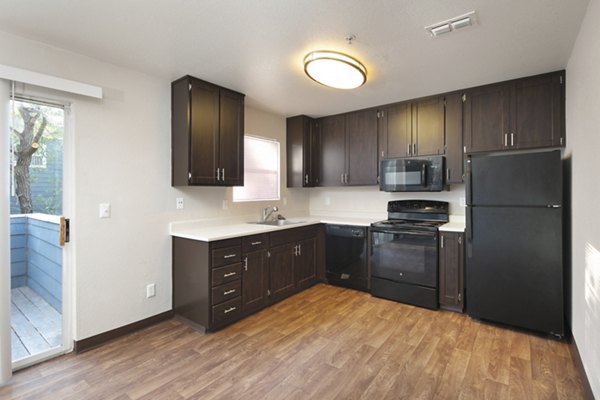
36	326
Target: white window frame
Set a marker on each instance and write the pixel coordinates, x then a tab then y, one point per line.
240	189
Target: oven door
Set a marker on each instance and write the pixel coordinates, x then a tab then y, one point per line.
405	256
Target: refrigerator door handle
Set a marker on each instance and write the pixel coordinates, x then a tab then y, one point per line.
468	182
469	241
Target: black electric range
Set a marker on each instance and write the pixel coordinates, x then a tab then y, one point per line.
404	261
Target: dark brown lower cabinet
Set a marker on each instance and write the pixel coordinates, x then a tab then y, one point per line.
217	283
451	263
281	263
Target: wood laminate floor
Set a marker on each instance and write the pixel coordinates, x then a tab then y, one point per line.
323	343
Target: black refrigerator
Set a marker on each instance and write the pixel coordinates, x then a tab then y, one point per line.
514	264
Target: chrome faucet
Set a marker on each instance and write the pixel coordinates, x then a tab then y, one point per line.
265	214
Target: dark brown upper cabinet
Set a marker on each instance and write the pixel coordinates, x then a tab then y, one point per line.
521	114
302	141
454	138
412	128
207	134
349	149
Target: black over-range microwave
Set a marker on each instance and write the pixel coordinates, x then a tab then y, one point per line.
423	174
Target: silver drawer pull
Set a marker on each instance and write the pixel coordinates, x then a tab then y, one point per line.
229	274
255	243
228	292
230	309
229	255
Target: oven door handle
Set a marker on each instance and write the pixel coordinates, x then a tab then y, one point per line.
412	233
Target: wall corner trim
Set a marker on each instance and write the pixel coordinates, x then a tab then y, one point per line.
48	81
83	345
576	357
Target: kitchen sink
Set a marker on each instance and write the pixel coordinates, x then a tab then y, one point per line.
278	222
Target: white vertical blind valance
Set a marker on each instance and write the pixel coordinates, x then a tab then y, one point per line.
49	81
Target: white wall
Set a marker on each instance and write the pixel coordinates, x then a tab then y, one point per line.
122	156
583	145
369	202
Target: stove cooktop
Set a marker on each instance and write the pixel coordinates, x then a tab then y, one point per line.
403	223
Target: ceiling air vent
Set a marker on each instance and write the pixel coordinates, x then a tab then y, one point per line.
451	24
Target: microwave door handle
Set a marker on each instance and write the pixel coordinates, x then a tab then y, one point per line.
424	175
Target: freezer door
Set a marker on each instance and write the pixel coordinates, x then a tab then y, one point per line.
514	267
526	179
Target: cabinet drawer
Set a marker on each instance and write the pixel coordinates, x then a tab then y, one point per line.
228	310
293	235
227	291
253	243
228	255
226	274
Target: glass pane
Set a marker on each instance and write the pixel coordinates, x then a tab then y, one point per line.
261	171
36	205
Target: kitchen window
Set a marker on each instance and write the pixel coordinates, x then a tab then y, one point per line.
261	170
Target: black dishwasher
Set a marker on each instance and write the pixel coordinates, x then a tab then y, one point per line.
347	261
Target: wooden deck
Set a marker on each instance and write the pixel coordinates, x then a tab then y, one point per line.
35	325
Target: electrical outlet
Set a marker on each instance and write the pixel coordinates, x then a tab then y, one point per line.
104	210
150	290
179	203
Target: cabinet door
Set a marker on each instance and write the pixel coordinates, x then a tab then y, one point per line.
395	132
231	138
295	151
204	133
428	127
255	280
537	112
305	263
361	139
302	150
333	150
451	270
454	138
281	268
487	118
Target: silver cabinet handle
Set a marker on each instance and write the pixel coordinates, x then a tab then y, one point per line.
190	174
505	139
306	179
459	297
256	243
414	149
222	174
299	249
225	293
447	174
245	263
230	309
218	170
229	274
229	255
512	139
408	149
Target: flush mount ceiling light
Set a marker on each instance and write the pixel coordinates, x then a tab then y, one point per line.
451	24
336	70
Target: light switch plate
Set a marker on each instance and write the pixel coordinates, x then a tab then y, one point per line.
104	210
150	290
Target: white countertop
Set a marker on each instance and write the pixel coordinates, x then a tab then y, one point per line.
209	230
456	224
